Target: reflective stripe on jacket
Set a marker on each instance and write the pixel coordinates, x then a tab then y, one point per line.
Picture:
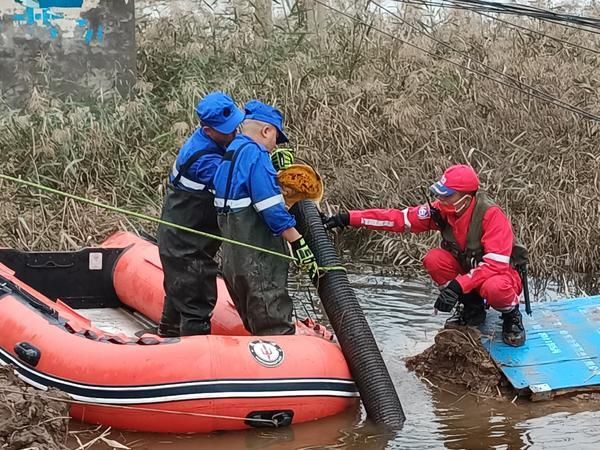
493	249
251	182
196	163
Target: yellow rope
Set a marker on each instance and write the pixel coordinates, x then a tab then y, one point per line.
142	216
156	220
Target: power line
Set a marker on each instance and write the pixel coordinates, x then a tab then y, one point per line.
532	11
554	38
466	55
564	20
498	19
532	91
573	27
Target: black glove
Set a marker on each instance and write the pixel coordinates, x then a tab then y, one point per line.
448	297
305	258
339	220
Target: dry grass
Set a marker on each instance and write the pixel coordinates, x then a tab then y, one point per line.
379	119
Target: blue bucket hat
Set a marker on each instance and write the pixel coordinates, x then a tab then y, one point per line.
269	114
218	110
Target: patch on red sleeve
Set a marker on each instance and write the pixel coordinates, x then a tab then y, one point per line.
423	212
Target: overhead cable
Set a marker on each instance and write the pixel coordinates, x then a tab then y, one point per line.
516	84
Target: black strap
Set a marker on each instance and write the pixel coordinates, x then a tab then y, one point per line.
8	287
186	166
231	156
522	269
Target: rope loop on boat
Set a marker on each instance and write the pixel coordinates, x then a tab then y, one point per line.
274	423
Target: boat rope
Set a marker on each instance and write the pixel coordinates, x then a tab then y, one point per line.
159	221
134	408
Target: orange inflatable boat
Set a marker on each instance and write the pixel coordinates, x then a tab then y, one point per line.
75	321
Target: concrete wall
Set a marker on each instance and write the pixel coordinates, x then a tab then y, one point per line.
76	47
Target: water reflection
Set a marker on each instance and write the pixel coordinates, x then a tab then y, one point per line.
400	313
401	316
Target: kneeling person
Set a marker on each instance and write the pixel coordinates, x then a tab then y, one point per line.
478	255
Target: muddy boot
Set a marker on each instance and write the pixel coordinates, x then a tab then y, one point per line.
195	327
469	312
457	318
513	331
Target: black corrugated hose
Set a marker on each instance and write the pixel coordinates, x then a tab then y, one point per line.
349	323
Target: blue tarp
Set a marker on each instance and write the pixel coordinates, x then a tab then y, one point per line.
562	351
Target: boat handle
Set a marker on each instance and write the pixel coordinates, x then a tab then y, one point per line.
270	419
51	265
28	353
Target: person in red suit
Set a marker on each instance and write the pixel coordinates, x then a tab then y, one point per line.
478	252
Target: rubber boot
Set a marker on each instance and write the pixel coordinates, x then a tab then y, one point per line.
166	330
457	318
168	325
513	331
474	312
195	327
469	312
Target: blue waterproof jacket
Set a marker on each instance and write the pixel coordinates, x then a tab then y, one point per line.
199	175
253	182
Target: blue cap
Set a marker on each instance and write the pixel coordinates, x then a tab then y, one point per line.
218	110
269	114
441	190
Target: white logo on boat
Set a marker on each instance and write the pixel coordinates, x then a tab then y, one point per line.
269	354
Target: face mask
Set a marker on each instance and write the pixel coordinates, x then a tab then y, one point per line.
457	207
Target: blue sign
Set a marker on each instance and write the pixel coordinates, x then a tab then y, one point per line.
45	16
52	3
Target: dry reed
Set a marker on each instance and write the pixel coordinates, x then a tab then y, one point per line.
380	120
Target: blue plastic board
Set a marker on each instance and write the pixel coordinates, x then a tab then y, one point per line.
562	350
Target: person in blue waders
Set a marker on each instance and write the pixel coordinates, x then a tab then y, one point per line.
251	209
188	259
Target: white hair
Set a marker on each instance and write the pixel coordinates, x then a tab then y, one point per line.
252	126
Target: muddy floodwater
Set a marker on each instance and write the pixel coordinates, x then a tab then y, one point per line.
400	314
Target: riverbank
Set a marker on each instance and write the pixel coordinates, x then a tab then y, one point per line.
30	418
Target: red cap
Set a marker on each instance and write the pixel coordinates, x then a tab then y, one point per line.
458	178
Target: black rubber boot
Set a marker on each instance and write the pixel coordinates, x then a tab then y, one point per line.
513	331
164	330
195	327
470	311
474	313
457	318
